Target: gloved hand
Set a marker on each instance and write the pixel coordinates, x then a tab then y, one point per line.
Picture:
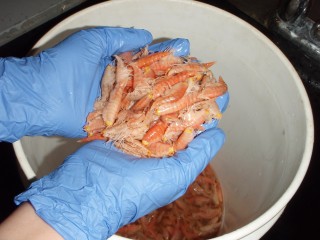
52	93
98	189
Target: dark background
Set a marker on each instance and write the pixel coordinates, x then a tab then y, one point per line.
300	218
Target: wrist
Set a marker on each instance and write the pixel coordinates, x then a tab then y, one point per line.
29	225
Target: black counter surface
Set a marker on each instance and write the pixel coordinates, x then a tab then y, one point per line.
300	218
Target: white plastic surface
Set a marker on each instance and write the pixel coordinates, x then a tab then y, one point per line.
268	124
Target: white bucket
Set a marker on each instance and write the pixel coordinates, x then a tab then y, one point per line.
268	124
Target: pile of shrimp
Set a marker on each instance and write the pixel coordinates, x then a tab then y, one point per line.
153	104
198	214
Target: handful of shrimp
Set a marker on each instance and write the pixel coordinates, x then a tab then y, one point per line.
154	104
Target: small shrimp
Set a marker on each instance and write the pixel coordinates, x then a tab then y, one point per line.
171	95
142	53
211	91
164	64
96	136
173	131
148	72
155	133
117	132
185	101
191	66
150	117
184	139
133	147
134	118
196	118
137	75
92	115
107	82
94	125
170	118
129	229
106	86
211	105
99	104
126	102
214	90
109	113
160	149
141	84
151	58
142	103
169	81
161	87
191	118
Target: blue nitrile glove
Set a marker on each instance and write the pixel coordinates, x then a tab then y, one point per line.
98	189
53	92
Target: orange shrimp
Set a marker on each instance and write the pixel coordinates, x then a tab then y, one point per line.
196	118
211	105
164	64
138	75
109	113
148	72
213	90
191	118
141	84
160	149
123	131
191	66
107	82
142	53
96	136
133	147
106	85
142	103
185	101
173	131
99	104
173	94
170	118
92	115
184	139
130	83
129	229
94	125
155	133
169	81
209	92
151	58
161	87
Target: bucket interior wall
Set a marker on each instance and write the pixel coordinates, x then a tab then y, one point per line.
265	126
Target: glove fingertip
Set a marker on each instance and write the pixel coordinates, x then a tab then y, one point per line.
211	140
200	152
181	46
203	148
223	101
